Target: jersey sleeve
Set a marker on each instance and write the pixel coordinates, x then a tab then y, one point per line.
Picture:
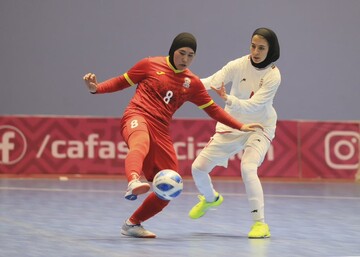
112	85
130	78
262	97
220	115
225	74
201	98
138	72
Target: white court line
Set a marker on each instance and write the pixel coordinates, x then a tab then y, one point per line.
43	189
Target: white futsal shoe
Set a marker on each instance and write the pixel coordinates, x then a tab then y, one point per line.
136	231
135	188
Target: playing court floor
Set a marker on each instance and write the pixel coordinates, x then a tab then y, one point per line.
82	218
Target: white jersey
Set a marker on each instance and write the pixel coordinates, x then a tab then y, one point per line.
252	93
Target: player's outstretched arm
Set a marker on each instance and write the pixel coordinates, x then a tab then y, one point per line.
219	114
91	82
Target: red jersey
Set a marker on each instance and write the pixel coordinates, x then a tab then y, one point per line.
161	90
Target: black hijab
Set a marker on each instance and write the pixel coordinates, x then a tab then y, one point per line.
274	48
182	40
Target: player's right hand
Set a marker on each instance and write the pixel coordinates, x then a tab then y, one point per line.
220	91
91	82
251	127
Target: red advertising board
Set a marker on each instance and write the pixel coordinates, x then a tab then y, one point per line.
93	146
60	145
329	149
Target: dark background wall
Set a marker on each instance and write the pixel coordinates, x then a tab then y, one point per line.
47	46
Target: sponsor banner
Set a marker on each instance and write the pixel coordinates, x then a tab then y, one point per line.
60	145
329	149
94	146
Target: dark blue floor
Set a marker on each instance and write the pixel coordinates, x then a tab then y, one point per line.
52	218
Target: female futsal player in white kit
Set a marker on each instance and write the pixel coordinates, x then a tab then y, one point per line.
255	80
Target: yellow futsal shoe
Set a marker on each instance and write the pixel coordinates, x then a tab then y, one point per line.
259	230
201	208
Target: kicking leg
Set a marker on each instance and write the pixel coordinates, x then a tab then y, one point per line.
138	143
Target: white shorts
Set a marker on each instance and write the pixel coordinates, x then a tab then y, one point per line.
222	146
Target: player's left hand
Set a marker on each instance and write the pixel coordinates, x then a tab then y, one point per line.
251	127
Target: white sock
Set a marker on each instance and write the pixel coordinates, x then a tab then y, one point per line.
203	182
254	191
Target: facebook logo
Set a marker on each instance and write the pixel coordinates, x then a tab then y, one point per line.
12	145
6	146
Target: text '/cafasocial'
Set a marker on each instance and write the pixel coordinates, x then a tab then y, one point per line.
93	147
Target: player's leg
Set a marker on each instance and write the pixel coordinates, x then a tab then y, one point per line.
136	135
200	170
217	152
252	158
161	156
208	197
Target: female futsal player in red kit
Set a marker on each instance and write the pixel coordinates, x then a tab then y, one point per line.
163	85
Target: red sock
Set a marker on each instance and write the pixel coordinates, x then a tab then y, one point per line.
139	144
151	206
134	164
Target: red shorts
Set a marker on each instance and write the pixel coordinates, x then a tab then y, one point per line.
161	153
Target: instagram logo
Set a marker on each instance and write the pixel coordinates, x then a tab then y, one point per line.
12	145
342	149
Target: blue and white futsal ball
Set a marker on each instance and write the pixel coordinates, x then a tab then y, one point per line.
167	184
